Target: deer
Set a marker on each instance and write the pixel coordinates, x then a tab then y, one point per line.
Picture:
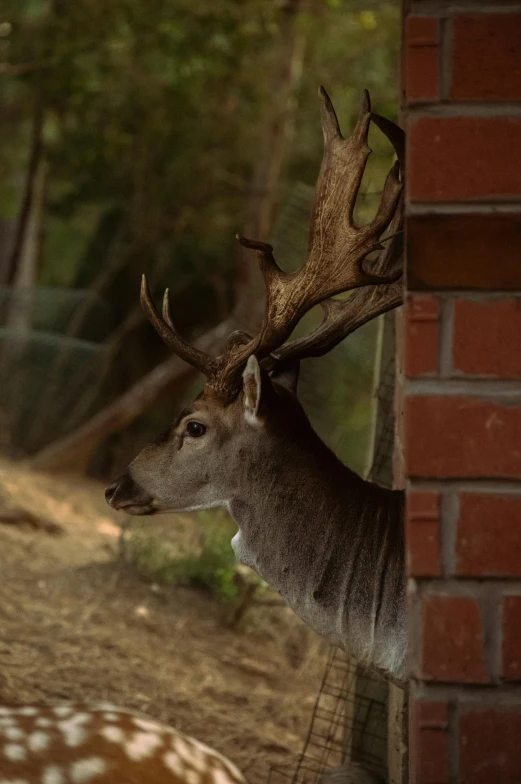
80	743
100	743
329	542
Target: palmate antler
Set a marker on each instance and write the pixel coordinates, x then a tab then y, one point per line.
337	251
342	317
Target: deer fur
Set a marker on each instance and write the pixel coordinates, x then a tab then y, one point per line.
329	542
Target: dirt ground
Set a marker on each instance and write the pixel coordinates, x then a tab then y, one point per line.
77	623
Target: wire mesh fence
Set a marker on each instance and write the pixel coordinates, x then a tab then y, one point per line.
51	368
349	722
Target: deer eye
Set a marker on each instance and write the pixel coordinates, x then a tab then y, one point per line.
195	429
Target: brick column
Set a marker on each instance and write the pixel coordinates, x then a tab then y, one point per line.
461	438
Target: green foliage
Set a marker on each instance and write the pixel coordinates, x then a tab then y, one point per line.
212	567
153	108
153	125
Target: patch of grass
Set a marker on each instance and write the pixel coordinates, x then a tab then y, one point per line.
212	566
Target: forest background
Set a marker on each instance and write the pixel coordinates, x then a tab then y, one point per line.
142	137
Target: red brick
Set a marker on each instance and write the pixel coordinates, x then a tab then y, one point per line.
512	638
421	335
430	745
423	534
488	539
456	436
452	644
421	58
432	715
487	337
485	57
490	748
479	251
464	159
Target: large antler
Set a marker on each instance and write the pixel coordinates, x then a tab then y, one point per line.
337	251
337	246
342	317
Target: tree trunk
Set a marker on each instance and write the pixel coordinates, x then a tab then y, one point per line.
31	182
8	229
20	310
74	450
277	129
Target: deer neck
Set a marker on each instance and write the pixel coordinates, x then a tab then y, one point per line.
331	544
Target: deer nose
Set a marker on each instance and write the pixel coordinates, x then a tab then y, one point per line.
110	492
124	492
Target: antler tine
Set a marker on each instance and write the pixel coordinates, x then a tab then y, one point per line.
388	201
167	314
167	331
394	133
396	136
330	126
355	146
342	317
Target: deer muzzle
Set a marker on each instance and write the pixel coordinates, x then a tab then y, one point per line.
126	495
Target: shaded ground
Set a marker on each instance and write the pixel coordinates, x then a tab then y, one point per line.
76	623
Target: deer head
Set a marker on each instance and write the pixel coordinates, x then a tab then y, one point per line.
248	414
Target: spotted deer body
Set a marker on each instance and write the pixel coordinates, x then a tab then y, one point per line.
329	542
88	744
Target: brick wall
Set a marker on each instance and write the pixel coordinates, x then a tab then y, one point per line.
461	394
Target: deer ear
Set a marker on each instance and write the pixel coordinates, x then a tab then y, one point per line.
287	376
251	387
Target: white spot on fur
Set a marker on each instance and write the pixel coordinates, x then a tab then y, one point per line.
106	706
200	757
220	777
62	710
146	724
7	721
28	710
182	749
85	770
14	781
38	741
208	752
113	734
43	722
53	775
74	734
142	745
5	711
13	733
15	752
173	763
195	756
111	716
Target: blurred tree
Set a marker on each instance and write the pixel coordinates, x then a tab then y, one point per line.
162	123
